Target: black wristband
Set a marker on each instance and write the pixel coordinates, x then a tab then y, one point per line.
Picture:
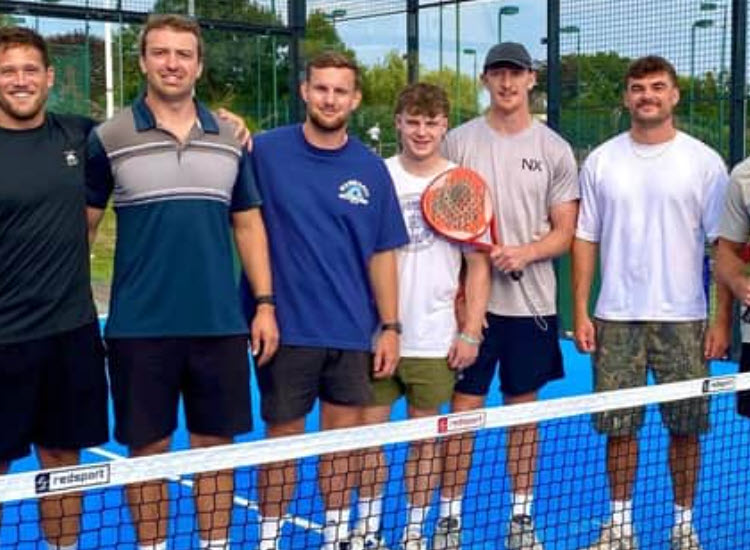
395	327
265	299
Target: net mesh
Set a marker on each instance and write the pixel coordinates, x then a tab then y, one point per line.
455	204
571	490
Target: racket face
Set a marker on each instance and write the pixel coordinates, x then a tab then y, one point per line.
457	205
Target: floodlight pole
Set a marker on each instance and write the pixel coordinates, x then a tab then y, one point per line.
412	39
699	24
274	81
297	15
554	86
457	117
738	105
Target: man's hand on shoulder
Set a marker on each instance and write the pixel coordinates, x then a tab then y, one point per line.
241	132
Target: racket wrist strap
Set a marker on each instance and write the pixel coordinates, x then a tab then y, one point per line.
469	339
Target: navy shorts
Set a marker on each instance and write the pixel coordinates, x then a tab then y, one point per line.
743	397
53	393
148	376
528	356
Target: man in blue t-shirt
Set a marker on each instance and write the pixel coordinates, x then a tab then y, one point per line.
333	222
176	326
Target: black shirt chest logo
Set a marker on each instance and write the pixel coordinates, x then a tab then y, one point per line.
70	158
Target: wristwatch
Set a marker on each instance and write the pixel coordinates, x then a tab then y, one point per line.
394	326
265	299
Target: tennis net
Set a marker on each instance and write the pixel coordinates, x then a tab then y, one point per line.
571	491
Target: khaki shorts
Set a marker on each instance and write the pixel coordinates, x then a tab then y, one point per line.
427	383
672	350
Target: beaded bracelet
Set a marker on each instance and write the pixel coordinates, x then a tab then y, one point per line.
469	339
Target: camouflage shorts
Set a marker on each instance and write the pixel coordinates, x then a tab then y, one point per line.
672	350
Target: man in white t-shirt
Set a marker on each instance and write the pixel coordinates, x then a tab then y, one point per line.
650	198
433	347
533	177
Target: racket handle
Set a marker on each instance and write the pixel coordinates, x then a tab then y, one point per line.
516	276
746	315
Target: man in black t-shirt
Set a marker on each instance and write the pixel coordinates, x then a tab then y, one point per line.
53	390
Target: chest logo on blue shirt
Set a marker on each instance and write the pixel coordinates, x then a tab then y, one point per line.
354	192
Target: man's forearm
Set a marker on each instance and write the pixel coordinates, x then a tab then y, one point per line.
477	292
730	269
583	265
383	279
553	245
93	219
560	238
252	248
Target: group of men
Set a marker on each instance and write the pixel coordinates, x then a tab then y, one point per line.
350	298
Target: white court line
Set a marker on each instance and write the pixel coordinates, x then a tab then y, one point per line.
239	501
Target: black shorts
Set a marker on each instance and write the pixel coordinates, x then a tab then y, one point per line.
743	397
148	375
529	357
297	376
53	393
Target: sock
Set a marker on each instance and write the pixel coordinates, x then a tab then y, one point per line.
369	513
336	528
682	516
73	546
522	504
156	546
622	514
415	517
214	544
270	529
450	507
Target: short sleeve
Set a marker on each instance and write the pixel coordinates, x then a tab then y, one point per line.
735	220
245	193
564	186
392	232
99	179
448	147
589	222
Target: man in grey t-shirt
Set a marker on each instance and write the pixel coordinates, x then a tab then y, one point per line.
533	177
732	255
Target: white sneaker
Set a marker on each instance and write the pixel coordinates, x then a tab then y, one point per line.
413	541
612	537
368	541
521	535
447	534
684	537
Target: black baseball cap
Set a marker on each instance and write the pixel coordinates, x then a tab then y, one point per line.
512	53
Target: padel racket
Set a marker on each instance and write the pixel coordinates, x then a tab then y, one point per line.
457	205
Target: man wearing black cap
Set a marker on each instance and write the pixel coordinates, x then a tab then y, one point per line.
532	174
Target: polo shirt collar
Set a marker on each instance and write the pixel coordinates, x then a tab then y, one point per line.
145	120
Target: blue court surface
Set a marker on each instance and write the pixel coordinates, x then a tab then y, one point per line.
571	498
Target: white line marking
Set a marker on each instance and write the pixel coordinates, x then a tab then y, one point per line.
239	501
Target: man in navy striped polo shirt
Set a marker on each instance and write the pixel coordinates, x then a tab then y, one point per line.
175	326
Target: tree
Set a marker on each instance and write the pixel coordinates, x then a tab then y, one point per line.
243	72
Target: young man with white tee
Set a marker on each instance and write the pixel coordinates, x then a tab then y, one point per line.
532	174
650	198
433	347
